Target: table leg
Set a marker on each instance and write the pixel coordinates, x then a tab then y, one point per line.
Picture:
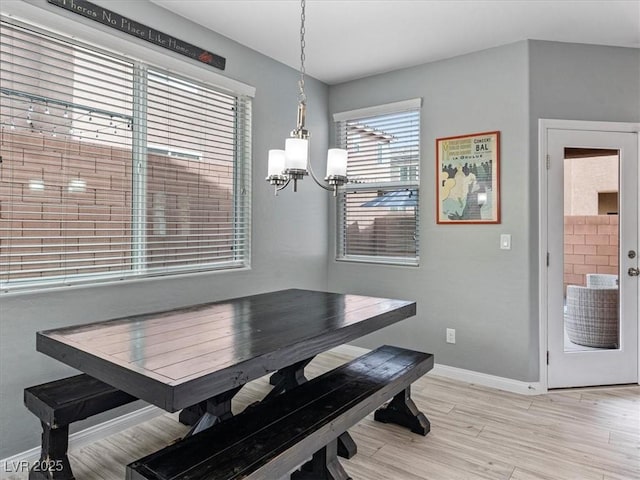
403	411
275	378
292	376
288	378
217	410
191	415
323	466
347	448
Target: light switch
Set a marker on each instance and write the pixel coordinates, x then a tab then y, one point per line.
505	241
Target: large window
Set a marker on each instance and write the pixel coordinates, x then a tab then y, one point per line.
378	210
113	169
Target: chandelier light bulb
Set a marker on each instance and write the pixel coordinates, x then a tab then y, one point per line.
296	153
337	162
276	162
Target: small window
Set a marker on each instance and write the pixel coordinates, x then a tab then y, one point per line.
607	203
378	211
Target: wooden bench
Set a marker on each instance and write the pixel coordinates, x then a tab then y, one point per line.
58	404
272	438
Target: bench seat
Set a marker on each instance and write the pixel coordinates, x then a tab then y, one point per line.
272	438
58	404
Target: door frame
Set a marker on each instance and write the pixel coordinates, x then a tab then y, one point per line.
543	126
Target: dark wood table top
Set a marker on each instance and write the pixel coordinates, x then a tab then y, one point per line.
177	358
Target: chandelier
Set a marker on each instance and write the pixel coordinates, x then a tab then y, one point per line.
293	163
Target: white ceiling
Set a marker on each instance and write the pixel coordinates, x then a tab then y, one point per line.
348	39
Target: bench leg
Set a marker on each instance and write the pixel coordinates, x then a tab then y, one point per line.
54	463
403	411
323	466
217	410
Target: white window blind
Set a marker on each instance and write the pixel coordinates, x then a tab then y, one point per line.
378	210
112	169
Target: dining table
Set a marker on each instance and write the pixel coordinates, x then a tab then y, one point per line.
203	354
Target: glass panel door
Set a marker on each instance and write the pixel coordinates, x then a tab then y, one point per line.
591	240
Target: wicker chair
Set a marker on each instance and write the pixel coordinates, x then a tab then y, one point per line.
591	318
602	280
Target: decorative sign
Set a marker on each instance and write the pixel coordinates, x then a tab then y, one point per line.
114	20
467	173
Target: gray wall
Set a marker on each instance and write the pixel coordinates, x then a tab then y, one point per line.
464	280
282	229
584	82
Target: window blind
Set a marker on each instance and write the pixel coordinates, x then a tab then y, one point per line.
111	169
196	202
378	211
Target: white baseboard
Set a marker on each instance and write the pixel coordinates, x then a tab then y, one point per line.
486	380
83	437
468	376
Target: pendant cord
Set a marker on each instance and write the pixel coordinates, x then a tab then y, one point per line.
302	97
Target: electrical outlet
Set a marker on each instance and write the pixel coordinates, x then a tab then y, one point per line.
451	335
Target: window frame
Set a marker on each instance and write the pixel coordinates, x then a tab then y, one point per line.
241	180
411	105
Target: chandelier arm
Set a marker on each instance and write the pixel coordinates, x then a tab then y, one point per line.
315	179
284	185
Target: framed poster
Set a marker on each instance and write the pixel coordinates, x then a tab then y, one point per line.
468	176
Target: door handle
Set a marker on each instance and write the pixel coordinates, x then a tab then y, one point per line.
633	272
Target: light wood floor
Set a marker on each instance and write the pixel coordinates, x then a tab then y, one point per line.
476	433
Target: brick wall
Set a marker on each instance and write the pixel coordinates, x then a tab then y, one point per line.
590	246
195	206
